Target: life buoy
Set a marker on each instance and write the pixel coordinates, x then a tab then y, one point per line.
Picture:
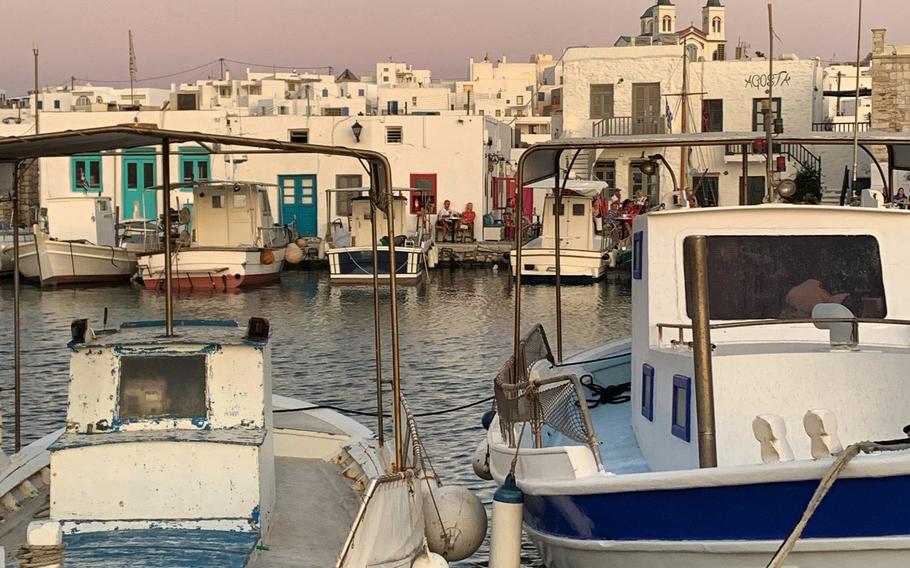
266	256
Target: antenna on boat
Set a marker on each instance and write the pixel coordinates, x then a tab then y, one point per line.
859	33
769	108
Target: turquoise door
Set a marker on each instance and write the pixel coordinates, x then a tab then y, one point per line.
298	202
139	202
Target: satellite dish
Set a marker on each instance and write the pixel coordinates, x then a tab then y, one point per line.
786	188
184	216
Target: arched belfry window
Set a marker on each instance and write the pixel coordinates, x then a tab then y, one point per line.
667	24
715	24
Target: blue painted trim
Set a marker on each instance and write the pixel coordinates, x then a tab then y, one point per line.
180	322
681	428
647	386
637	250
75	182
759	511
196	156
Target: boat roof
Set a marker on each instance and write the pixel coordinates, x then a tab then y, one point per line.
186	332
774	209
541	160
139	135
215	183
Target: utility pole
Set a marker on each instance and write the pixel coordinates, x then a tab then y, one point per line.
132	68
769	110
221	63
35	51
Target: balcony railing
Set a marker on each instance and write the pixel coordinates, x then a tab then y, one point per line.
622	125
840	126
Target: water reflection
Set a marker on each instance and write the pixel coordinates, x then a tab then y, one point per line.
456	330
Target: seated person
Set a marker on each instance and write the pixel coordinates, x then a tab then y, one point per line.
802	298
445	217
467	218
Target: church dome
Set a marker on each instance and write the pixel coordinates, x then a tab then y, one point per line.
714	4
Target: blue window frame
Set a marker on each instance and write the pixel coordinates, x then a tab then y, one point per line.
85	173
541	97
647	391
360	92
681	424
195	164
325	92
637	240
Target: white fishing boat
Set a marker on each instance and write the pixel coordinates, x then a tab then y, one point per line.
755	417
7	265
232	241
49	261
350	249
585	254
177	453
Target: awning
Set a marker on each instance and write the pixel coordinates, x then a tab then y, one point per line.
588	188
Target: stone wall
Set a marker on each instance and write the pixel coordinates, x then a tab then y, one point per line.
28	195
890	87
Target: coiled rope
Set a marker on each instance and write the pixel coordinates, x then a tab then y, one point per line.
825	485
610	394
39	555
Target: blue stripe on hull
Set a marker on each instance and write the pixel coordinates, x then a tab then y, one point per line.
361	262
860	507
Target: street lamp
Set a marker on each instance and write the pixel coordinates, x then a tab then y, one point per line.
356	128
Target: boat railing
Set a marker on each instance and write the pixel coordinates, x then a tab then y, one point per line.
854	323
279	235
557	401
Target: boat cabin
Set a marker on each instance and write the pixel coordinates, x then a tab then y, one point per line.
361	230
167	432
232	214
770	360
576	223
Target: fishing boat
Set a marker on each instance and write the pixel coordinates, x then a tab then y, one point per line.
729	430
350	249
585	254
7	264
50	261
233	241
176	452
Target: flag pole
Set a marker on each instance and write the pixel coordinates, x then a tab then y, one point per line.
132	68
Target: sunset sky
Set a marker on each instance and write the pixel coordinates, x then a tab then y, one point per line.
88	38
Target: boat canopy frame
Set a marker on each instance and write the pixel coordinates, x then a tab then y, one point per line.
16	150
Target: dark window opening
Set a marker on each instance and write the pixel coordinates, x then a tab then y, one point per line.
758	118
712	119
785	277
162	387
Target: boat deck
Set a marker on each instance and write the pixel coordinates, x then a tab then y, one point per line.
315	509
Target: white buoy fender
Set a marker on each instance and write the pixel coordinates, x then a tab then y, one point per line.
505	538
301	242
320	251
430	560
463	521
481	460
293	254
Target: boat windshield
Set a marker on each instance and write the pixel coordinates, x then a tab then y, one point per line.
784	277
162	386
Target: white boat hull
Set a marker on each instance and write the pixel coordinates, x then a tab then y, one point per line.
212	268
355	264
51	262
580	265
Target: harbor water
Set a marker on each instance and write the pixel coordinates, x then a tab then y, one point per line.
455	330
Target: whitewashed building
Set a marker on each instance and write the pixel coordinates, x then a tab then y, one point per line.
446	157
622	91
840	95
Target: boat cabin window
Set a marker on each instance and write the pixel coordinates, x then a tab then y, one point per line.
264	204
578	209
216	202
784	277
162	387
562	209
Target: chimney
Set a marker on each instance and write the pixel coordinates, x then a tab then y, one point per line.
878	41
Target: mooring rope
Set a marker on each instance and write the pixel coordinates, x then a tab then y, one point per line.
39	555
385	414
825	485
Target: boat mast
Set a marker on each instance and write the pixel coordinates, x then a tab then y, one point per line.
684	202
770	106
168	292
16	334
859	32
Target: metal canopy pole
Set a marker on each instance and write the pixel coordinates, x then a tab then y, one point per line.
16	338
393	308
697	271
859	34
377	338
168	298
558	205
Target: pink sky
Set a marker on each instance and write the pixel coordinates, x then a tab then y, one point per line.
88	38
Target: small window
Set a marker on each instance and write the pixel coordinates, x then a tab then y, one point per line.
637	242
647	391
299	136
360	92
162	387
393	135
86	173
578	209
562	209
414	101
519	100
541	97
325	92
216	202
385	78
682	419
498	112
224	91
56	103
343	199
255	89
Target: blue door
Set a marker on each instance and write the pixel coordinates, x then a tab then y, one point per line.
298	202
139	201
